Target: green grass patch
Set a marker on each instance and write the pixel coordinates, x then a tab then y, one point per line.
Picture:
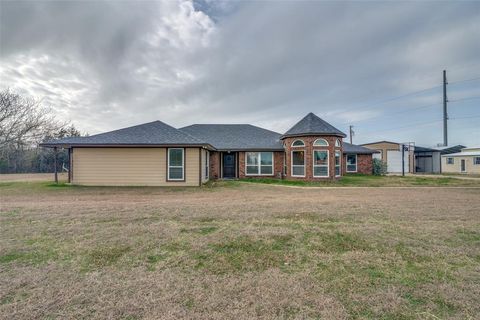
200	230
361	180
30	257
105	256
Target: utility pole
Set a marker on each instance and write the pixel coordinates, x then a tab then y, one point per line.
351	134
445	116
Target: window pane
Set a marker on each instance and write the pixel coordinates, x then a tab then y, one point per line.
320	142
298	171
351	168
298	143
252	169
320	171
337	158
337	170
298	158
476	160
351	159
176	173
252	158
320	158
266	170
176	157
266	158
337	143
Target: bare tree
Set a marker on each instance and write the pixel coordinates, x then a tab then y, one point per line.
23	120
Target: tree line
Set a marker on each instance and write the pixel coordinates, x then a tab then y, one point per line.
24	123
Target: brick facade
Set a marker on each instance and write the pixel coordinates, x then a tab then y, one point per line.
281	159
308	149
364	164
277	165
214	165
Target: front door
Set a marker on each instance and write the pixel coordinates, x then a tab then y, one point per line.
229	165
462	165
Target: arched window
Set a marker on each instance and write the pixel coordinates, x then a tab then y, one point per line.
320	143
298	143
338	143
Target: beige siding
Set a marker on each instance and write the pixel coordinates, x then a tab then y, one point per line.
456	166
130	167
384	146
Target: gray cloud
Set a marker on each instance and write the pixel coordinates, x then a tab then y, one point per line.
104	65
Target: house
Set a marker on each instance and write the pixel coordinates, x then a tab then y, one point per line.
160	155
390	153
466	161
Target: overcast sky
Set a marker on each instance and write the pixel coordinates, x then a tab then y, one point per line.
107	65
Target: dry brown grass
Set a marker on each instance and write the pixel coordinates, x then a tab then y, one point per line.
238	251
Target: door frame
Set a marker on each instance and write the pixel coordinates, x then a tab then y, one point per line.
463	165
235	165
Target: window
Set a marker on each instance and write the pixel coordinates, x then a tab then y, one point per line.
450	160
476	160
207	164
298	143
176	164
351	163
259	163
320	143
337	164
338	143
298	163
320	163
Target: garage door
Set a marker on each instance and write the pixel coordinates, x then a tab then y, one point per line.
394	161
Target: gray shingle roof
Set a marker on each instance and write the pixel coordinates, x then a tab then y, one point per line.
313	125
152	133
353	148
235	136
423	149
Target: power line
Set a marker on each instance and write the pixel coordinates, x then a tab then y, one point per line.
463	99
461	81
408	126
391	99
467	117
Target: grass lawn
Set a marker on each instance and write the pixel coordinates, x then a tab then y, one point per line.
240	250
359	180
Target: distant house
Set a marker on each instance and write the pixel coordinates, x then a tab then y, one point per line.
390	153
466	161
157	154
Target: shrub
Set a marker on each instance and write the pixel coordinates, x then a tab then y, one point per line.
379	167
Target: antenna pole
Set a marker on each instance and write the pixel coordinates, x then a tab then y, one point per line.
445	116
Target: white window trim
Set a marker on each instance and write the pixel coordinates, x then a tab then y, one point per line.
453	161
291	164
302	146
328	163
476	164
356	163
320	145
339	163
182	166
260	164
338	143
207	165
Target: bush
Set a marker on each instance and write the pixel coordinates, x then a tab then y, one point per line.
379	167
